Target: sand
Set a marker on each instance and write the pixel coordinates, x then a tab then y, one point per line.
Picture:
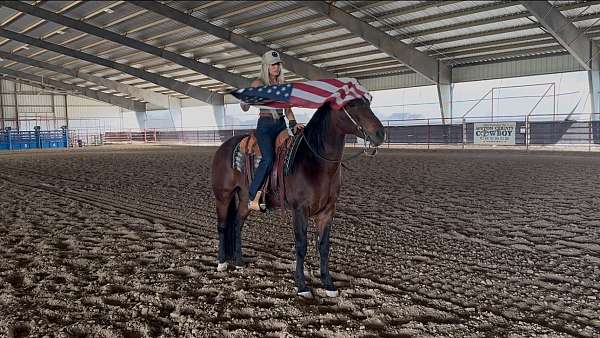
121	242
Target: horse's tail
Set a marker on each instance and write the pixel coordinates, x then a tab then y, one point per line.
225	188
231	222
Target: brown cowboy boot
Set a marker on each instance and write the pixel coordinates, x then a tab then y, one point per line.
255	203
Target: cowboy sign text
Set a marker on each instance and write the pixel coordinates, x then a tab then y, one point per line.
494	133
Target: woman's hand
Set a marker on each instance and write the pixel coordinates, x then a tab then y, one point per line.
295	127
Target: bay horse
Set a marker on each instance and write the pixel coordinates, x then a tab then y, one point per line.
311	190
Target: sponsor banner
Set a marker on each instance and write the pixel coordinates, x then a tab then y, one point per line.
494	133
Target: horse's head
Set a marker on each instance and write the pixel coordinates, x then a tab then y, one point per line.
357	118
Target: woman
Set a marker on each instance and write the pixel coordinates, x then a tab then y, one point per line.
270	124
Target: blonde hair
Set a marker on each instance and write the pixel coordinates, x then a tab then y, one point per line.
264	75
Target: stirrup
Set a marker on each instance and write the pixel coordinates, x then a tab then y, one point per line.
255	203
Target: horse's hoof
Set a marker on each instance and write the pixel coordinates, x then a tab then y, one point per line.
332	293
222	267
305	294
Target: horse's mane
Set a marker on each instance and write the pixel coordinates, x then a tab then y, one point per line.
318	126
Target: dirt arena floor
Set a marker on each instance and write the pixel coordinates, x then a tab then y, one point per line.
122	243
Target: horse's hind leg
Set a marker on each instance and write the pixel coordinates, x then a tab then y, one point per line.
323	222
226	207
222	229
240	217
300	231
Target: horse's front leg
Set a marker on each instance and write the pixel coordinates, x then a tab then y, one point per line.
300	231
324	221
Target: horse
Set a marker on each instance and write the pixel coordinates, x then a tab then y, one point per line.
311	189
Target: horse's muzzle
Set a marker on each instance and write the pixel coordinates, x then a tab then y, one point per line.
376	138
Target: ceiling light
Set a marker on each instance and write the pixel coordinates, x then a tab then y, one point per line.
137	65
108	10
204	60
25	47
121	61
60	31
188	54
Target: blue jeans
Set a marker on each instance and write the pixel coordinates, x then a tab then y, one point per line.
266	133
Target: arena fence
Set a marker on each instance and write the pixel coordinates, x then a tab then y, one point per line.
568	130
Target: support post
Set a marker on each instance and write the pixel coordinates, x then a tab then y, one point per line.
445	99
53	112
175	111
16	106
1	104
38	136
66	113
594	87
9	137
141	117
65	135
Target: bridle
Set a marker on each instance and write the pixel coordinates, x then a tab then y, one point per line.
366	145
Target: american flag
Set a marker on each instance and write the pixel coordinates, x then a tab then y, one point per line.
307	94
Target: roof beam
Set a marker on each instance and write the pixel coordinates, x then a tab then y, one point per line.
210	71
574	41
156	99
429	67
180	87
122	102
293	64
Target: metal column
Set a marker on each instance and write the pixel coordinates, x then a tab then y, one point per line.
16	106
53	111
66	113
1	105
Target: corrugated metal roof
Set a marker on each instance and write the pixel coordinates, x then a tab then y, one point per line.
445	30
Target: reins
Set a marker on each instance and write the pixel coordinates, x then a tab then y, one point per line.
341	160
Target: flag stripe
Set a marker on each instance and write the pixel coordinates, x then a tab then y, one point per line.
325	86
310	88
308	95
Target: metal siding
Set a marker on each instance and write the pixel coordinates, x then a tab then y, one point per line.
81	108
9	112
28	101
8	99
526	67
395	81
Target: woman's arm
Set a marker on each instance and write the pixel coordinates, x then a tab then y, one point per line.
255	83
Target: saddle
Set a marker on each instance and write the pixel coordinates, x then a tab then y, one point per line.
249	144
247	155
